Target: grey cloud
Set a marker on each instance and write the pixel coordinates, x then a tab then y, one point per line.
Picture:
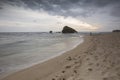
100	3
63	7
1	8
116	11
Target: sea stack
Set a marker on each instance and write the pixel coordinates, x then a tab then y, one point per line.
51	32
67	29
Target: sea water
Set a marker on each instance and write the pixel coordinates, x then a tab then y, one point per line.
22	50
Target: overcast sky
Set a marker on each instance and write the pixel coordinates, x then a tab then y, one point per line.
46	15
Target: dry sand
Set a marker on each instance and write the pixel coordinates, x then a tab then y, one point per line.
98	58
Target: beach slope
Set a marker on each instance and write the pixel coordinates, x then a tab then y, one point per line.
97	58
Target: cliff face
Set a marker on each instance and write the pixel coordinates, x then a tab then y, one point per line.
67	29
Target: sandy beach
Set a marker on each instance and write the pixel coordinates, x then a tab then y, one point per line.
97	58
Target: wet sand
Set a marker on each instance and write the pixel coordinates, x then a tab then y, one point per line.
98	58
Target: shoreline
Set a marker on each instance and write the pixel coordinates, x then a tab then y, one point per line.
47	60
39	62
95	56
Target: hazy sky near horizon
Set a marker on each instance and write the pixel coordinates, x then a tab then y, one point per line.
46	15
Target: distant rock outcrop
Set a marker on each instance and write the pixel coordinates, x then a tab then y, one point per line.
67	29
50	31
116	31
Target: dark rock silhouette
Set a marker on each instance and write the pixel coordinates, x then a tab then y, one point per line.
50	31
67	29
116	31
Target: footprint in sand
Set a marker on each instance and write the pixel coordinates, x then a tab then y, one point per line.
59	78
97	64
53	79
69	58
88	59
63	71
90	69
105	78
68	67
75	71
